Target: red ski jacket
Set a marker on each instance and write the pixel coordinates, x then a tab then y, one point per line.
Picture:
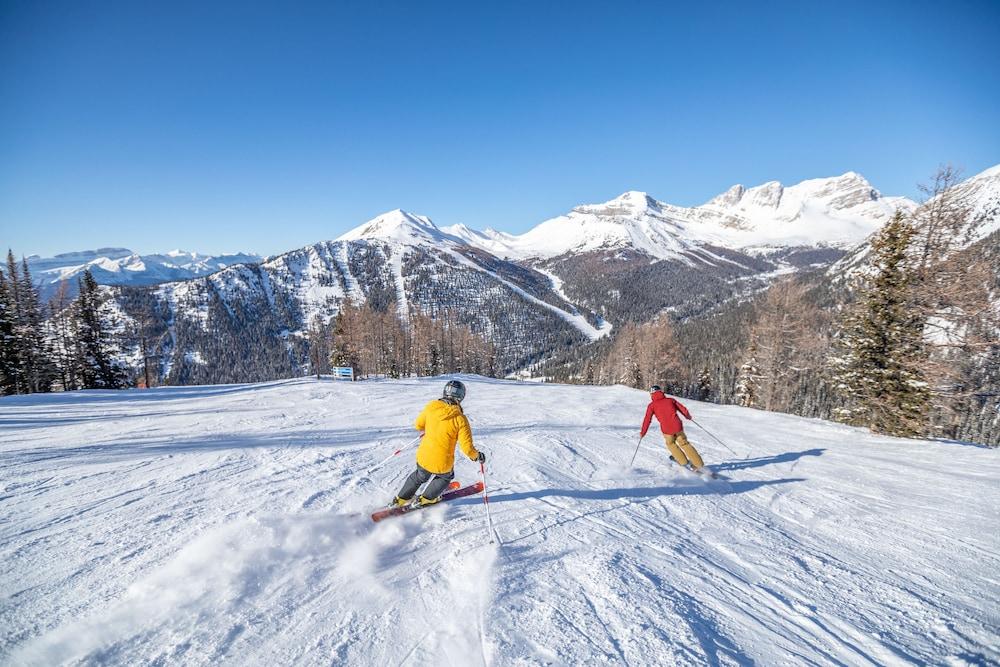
665	409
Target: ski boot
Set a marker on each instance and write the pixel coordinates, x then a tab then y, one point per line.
424	502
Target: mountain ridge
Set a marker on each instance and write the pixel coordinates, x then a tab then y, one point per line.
122	266
735	218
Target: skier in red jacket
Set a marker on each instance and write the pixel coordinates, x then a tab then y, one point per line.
666	409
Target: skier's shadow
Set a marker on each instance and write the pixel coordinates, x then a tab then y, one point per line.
642	491
787	457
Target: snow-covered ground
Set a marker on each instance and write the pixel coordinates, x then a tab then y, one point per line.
228	525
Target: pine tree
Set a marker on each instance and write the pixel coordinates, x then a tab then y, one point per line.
9	371
319	347
17	379
96	367
342	351
748	380
61	324
880	344
36	356
704	385
631	371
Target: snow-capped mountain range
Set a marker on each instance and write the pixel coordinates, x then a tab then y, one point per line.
259	312
567	282
840	211
121	266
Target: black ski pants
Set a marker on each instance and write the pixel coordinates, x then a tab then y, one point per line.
433	490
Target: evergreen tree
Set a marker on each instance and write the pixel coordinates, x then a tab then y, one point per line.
748	380
704	385
36	356
15	348
62	325
631	371
96	367
319	347
880	344
8	342
433	359
343	353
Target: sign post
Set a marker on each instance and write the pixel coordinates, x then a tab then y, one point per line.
343	373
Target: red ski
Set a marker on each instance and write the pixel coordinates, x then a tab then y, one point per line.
470	490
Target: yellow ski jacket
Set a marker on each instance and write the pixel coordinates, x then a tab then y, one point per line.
443	425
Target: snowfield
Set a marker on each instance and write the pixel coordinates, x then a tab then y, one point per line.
229	525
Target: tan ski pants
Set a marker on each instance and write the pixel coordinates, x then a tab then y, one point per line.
682	450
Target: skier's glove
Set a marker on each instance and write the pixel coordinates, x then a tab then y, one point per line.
481	458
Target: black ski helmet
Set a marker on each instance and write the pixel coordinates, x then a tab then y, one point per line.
454	390
655	387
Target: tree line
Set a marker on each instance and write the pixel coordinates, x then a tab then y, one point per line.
378	342
65	344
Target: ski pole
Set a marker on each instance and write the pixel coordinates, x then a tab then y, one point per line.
408	445
389	458
715	438
486	501
636	451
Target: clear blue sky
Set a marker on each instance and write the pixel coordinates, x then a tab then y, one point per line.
256	126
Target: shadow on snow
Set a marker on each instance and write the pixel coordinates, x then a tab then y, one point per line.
698	489
787	457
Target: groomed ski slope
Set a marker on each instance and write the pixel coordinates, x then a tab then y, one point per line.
228	525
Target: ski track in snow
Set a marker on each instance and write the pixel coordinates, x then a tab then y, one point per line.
344	264
579	321
402	306
557	286
228	525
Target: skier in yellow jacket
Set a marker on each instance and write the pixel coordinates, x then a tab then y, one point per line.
443	424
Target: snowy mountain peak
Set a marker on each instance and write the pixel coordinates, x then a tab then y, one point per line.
629	204
730	197
396	225
840	210
840	192
836	192
767	195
